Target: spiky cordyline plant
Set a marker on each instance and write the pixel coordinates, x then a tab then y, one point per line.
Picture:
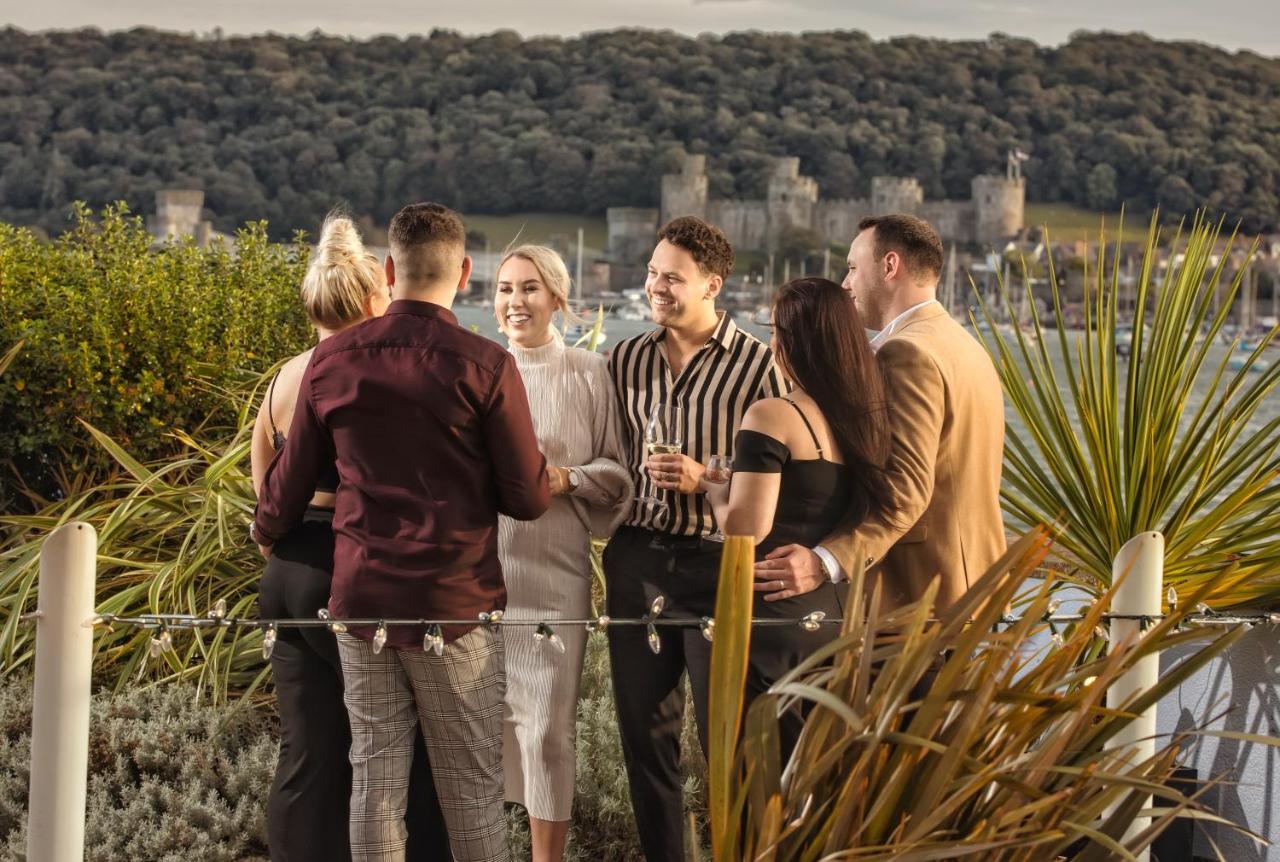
1002	757
171	539
1112	450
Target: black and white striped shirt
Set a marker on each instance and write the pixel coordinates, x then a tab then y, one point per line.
716	386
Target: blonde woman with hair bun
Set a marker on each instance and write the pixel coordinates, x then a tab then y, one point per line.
307	809
547	562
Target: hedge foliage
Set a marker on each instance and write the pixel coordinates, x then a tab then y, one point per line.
115	333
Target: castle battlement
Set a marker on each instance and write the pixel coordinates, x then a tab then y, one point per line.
992	215
786	168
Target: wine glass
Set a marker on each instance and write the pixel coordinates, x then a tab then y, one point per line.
719	472
663	435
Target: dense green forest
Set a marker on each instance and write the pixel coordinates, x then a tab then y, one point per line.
281	128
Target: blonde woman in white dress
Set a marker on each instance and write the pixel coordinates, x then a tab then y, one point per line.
546	562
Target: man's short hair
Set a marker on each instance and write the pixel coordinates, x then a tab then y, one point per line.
428	242
913	238
707	244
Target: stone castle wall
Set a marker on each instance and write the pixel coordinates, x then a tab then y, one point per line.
953	220
993	214
745	223
631	233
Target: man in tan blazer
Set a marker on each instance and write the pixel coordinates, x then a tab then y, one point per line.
947	419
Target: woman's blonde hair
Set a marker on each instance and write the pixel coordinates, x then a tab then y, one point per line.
341	276
554	274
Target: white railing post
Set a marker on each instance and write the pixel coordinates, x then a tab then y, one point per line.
1139	571
60	715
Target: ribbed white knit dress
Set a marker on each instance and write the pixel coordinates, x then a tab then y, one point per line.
547	568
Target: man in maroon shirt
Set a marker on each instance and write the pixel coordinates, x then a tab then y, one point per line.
430	429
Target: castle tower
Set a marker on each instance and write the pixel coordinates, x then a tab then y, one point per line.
998	207
896	195
631	233
685	193
790	198
178	214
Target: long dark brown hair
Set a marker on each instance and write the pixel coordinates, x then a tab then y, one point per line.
824	349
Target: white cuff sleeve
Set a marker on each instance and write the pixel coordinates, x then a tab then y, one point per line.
829	565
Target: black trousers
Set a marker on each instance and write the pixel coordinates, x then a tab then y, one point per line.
639	565
307	810
647	687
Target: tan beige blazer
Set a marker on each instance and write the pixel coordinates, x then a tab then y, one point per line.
946	412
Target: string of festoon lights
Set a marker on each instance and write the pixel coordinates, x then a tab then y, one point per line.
545	629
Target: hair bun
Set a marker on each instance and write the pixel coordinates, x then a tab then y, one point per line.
341	276
340	242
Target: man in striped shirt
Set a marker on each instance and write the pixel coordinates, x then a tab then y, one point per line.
700	361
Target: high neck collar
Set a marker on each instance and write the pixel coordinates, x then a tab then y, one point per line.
540	355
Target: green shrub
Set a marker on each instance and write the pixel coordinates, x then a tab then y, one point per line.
114	333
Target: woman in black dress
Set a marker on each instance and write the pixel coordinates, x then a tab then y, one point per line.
806	464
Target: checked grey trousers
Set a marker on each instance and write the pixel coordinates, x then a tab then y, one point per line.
458	699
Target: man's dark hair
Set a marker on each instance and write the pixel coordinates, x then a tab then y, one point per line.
706	242
912	238
428	241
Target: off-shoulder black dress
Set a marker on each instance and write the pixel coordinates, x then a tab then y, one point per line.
813	499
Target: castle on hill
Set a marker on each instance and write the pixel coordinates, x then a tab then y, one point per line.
992	215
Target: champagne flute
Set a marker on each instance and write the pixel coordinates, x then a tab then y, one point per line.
719	472
663	435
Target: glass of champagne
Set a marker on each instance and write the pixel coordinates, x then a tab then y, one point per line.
663	435
719	471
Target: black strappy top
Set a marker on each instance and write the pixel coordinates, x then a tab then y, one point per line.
328	479
815	493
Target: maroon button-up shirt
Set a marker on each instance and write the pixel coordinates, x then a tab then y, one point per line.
429	426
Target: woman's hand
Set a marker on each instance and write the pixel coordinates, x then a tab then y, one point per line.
558	479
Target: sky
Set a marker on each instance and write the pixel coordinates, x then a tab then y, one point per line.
1233	24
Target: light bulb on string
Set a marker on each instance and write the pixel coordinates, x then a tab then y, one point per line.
656	607
708	628
812	622
433	641
599	624
545	634
655	642
336	628
269	640
219	610
161	643
379	638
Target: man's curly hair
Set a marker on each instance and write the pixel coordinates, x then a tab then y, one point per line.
706	242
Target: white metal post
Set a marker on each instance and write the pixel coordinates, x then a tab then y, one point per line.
60	716
1139	571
